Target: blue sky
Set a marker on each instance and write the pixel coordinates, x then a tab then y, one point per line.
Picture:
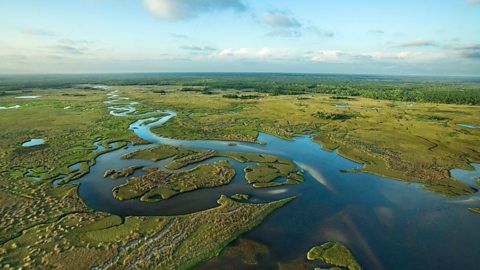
323	36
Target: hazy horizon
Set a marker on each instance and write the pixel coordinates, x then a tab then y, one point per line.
430	38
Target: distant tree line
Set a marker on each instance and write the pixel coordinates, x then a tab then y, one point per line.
241	96
332	116
409	89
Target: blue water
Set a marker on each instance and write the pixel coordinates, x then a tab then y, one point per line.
388	224
468	125
33	142
75	167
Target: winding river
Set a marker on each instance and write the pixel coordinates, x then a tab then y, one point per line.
388	224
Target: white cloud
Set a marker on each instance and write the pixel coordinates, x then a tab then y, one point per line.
285	25
324	56
36	32
470	51
66	50
284	33
178	36
197	48
418	43
252	54
474	2
186	9
319	32
279	19
335	56
376	32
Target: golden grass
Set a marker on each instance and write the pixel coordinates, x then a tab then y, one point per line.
418	143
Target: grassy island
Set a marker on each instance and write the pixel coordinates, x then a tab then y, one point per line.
160	185
261	175
65	234
475	210
240	197
125	172
335	254
264	174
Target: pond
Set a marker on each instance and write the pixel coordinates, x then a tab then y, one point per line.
9	107
468	125
388	224
33	142
27	97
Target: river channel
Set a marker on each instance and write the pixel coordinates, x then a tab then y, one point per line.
387	224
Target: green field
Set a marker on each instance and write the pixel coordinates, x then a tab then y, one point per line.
410	136
335	254
417	143
161	185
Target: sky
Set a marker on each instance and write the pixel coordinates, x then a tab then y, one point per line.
408	37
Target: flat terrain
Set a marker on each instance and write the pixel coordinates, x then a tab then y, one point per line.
413	142
47	225
160	185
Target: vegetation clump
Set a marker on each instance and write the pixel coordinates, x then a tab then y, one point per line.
426	117
252	157
261	175
335	254
247	249
233	96
125	172
264	175
332	116
108	172
155	153
475	210
160	185
240	197
188	158
341	98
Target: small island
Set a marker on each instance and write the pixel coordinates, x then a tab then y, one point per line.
335	254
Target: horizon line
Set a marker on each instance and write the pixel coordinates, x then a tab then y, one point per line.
233	72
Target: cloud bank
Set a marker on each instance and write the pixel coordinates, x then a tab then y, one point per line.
470	51
418	43
36	32
279	19
197	48
186	9
285	25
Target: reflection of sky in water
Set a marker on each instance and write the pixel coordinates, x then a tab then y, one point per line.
27	97
9	107
388	224
33	142
468	125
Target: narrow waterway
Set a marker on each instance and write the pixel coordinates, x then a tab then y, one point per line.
388	224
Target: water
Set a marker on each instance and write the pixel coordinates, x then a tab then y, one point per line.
9	107
405	105
468	125
75	167
387	224
469	177
30	174
27	97
33	142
